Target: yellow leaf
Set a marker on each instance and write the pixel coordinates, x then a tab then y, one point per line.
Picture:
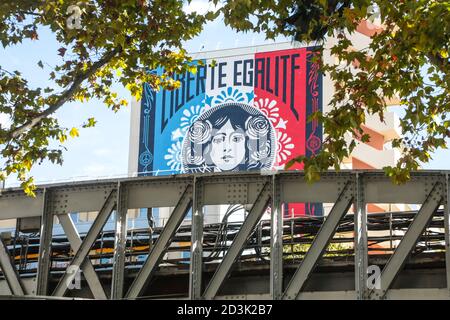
74	132
27	164
62	138
79	97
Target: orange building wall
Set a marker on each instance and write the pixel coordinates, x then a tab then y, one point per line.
376	139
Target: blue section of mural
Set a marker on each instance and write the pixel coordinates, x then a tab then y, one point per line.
313	128
146	139
165	118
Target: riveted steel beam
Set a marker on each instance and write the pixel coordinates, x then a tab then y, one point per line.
219	188
360	236
409	241
447	229
161	245
45	244
320	242
276	242
196	263
88	269
120	242
9	271
236	247
87	243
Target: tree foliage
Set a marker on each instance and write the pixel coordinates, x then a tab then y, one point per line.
115	40
407	59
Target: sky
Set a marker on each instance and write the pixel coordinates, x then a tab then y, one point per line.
102	151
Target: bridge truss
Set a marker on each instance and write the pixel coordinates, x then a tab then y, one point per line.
277	274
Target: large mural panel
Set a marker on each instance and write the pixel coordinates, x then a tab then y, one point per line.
237	113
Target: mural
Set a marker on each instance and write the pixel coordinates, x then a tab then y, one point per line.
236	113
229	137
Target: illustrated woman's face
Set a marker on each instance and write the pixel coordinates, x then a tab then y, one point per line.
227	148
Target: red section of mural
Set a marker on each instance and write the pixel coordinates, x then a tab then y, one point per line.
282	96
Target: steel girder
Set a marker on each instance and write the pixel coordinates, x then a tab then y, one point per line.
276	242
415	230
88	269
360	239
120	242
196	263
320	242
83	250
10	272
219	188
447	229
45	244
161	245
394	294
237	246
430	188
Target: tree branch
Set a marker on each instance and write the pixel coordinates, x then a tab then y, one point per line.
31	13
6	71
66	95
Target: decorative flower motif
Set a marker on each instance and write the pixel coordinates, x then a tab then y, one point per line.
262	153
199	132
174	156
195	160
257	126
313	144
285	146
269	108
230	95
190	116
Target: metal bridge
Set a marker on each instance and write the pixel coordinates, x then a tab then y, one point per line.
276	258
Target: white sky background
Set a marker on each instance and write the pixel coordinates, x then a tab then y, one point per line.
103	150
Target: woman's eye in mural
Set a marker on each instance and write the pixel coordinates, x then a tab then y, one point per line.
218	139
236	138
